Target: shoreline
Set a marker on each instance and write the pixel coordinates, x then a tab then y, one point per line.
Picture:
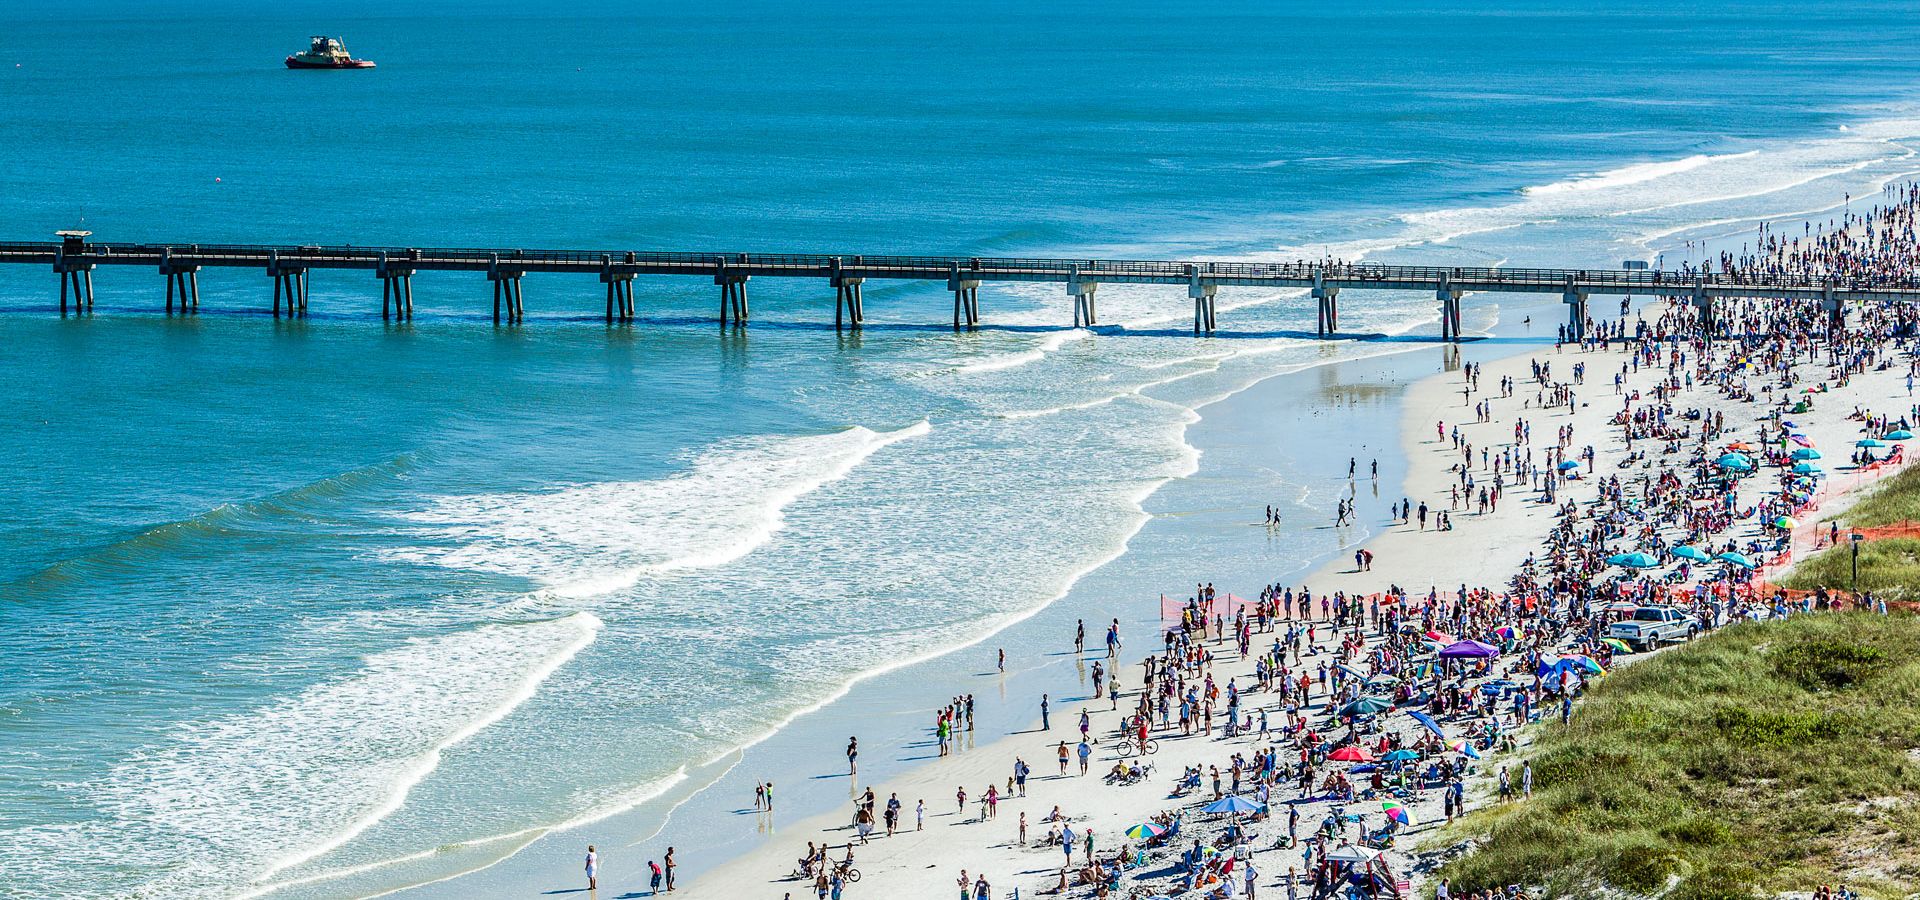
1218	420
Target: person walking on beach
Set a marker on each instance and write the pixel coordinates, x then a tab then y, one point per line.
1045	723
593	869
653	878
853	755
1079	635
1063	754
1526	779
1086	753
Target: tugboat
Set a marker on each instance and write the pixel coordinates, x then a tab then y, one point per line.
326	53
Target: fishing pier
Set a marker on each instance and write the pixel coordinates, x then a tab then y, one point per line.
73	258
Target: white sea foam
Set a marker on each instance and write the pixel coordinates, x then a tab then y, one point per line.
593	539
1048	344
291	780
1633	174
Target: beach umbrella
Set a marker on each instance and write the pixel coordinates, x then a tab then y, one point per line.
1870	442
1506	632
1618	645
1569	464
1739	445
1783	522
1400	756
1738	559
1806	453
1232	803
1366	706
1348	853
1806	468
1396	813
1440	637
1463	748
1800	439
1900	434
1735	462
1634	560
1690	553
1146	830
1351	754
1587	663
1468	650
1427	721
1548	664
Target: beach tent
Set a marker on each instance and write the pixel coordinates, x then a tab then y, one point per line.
1468	650
1738	559
1692	553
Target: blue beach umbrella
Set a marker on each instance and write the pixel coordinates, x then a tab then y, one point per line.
1738	559
1427	721
1634	560
1366	706
1806	453
1692	553
1736	462
1870	442
1232	804
1900	434
1569	464
1807	468
1400	756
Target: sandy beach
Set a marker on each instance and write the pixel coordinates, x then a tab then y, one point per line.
1482	548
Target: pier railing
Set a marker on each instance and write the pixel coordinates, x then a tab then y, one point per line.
74	259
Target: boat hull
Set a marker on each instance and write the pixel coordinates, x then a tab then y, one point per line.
297	63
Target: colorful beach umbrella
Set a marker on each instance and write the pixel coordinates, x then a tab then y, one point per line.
1146	830
1739	445
1396	813
1738	559
1468	650
1618	645
1800	439
1351	754
1692	553
1586	663
1784	522
1440	637
1506	632
1464	749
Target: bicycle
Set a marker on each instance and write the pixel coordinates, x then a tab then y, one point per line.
1129	748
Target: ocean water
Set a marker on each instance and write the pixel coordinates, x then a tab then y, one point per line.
334	607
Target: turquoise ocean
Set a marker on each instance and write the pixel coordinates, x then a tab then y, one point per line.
337	607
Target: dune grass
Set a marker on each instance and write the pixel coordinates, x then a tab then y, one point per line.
1767	757
1894	500
1889	567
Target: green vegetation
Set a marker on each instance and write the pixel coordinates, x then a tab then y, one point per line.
1895	500
1889	567
1768	757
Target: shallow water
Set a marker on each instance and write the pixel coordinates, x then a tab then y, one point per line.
280	601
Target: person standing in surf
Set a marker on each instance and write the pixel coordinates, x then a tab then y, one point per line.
593	869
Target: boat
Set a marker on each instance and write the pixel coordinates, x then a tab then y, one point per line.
326	53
